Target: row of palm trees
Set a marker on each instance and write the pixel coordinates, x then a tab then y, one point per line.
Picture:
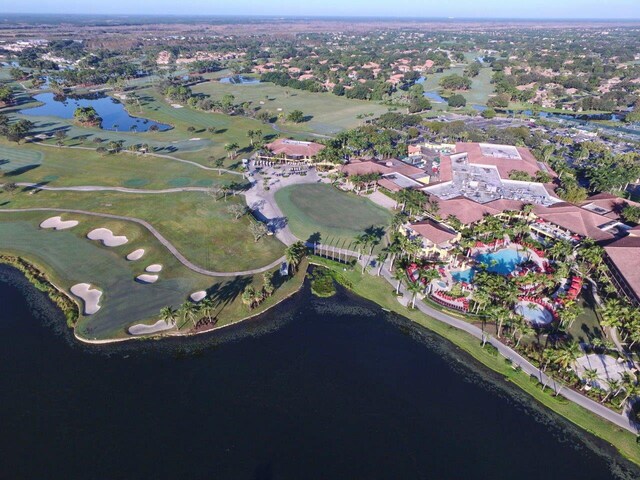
189	312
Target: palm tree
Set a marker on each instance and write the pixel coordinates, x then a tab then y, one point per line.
415	288
429	276
590	376
207	307
630	387
294	254
399	275
380	259
249	296
614	386
169	315
567	355
189	311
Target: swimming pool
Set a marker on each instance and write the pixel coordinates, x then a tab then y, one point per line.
463	275
503	261
534	313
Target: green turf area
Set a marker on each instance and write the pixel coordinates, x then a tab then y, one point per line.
199	227
337	216
379	291
71	167
68	257
328	113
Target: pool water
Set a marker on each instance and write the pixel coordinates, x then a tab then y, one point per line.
503	261
535	314
114	115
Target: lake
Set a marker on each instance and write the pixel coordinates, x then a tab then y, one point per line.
314	389
114	115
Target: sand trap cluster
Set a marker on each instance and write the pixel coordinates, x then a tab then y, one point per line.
147	278
155	268
142	329
136	255
90	297
107	237
58	224
198	296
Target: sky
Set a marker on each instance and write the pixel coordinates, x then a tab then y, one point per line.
592	9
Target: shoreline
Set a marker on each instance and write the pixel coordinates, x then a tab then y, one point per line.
24	265
574	413
624	441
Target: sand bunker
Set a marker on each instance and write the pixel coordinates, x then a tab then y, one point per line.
177	105
142	329
145	278
90	297
197	296
107	237
155	268
58	224
136	254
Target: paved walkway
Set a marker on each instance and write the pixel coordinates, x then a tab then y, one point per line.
97	188
169	246
621	420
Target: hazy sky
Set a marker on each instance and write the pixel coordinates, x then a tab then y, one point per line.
618	9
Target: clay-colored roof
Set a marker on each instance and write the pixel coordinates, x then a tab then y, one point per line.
575	219
364	168
625	255
433	232
487	154
294	148
608	205
465	210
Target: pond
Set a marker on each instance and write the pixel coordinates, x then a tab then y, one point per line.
435	97
114	115
240	80
314	389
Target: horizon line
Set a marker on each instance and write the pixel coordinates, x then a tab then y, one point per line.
325	16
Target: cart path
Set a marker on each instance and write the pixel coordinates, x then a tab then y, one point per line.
166	243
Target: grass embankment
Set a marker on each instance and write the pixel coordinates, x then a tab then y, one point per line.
325	113
65	167
68	257
202	229
336	216
379	291
40	280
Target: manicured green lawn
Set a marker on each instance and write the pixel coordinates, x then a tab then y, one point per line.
199	227
68	257
337	216
328	113
63	167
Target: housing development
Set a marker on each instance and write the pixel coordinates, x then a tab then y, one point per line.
162	178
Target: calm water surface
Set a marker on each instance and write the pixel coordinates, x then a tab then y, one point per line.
114	115
326	389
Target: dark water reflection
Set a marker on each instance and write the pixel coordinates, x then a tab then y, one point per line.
325	389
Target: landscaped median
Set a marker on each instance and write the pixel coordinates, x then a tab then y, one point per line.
378	290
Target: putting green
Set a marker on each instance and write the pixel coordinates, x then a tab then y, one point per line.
337	216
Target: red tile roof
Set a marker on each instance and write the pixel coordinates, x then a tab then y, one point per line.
475	155
465	210
575	219
294	148
625	255
610	205
433	232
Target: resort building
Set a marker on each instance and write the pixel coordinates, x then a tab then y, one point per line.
481	171
623	259
392	174
286	150
438	240
608	205
573	223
